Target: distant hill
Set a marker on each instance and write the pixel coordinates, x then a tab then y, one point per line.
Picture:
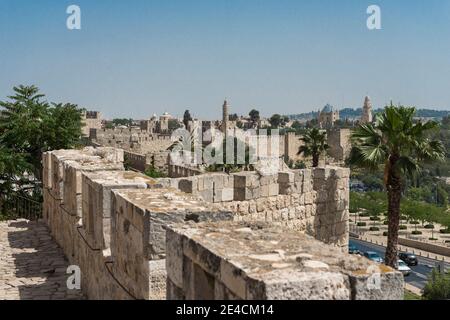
351	113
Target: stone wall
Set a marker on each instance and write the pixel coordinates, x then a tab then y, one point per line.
339	142
92	120
234	261
112	223
315	201
135	140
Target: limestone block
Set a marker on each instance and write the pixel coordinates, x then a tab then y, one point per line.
188	185
207	195
286	177
73	182
264	191
57	170
110	154
222	257
274	189
309	198
246	179
223	195
97	201
365	287
139	233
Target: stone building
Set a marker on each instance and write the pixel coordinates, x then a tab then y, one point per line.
164	122
91	120
338	139
155	125
367	111
225	116
328	116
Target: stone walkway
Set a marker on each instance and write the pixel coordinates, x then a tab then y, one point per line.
32	265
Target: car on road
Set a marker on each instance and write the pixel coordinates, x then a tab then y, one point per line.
373	256
352	249
403	268
409	258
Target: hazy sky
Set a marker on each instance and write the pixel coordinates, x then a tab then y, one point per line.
138	57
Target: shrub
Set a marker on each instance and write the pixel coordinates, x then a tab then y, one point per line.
403	227
364	214
414	222
374	229
375	219
429	226
445	231
152	172
432	239
386	223
385	234
361	224
438	286
416	232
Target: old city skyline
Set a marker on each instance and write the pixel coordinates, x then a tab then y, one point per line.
279	57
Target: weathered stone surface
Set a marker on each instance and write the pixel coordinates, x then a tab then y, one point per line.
96	203
140	218
258	261
133	265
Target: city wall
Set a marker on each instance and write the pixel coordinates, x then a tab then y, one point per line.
113	224
314	201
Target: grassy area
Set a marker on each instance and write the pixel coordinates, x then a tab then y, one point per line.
411	296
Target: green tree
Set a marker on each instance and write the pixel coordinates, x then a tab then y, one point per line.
276	121
29	125
442	196
401	145
254	116
63	127
233	117
187	118
174	125
122	122
22	124
314	144
438	286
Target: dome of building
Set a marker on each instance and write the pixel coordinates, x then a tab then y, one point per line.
327	109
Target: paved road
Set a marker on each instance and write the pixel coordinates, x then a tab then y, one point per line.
419	275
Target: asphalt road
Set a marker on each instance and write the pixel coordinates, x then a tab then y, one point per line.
419	275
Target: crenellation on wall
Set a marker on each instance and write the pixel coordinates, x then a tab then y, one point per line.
314	201
113	224
139	236
97	199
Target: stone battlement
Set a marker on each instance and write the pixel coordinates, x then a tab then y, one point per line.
229	260
113	224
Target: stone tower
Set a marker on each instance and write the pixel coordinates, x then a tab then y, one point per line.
225	118
367	111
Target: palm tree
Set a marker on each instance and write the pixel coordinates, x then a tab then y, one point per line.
401	145
314	144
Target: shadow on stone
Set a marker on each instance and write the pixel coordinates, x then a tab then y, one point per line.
40	265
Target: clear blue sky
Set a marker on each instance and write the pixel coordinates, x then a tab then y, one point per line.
138	57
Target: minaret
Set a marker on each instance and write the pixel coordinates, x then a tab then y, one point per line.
367	111
225	117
